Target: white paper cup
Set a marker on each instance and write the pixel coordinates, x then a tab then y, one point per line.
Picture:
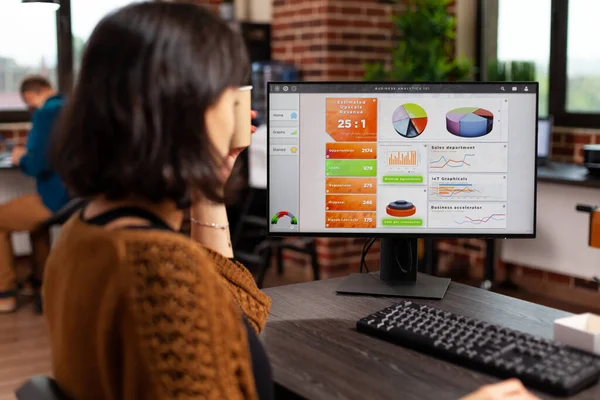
243	119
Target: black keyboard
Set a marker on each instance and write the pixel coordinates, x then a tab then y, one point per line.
539	363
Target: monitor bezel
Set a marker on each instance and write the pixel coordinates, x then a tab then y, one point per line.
423	235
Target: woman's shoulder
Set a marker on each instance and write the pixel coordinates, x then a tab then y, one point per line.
157	249
153	246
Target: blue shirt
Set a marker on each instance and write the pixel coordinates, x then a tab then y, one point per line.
36	163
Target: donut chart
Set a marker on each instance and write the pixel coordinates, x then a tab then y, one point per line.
409	120
281	214
401	208
469	122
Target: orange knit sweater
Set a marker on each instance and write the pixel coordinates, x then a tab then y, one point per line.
147	314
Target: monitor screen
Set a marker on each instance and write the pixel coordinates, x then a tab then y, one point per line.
544	137
366	159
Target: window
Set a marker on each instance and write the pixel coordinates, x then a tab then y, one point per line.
521	34
554	35
36	40
583	57
28	46
526	39
85	15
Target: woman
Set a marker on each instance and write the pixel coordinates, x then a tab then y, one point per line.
135	309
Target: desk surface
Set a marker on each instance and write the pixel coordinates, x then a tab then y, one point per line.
316	353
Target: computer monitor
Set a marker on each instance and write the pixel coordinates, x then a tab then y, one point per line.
402	161
544	138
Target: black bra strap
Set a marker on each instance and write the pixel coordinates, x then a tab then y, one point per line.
135	212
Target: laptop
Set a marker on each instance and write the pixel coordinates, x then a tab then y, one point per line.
544	142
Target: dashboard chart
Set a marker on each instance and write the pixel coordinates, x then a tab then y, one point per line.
469	122
403	158
489	187
410	120
468	215
477	157
403	164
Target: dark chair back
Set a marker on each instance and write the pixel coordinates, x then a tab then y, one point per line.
40	388
40	245
62	215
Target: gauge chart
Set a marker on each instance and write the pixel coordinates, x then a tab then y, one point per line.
410	120
483	187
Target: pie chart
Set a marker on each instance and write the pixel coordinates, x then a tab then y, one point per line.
409	120
470	122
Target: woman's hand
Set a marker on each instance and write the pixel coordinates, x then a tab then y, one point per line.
234	153
511	389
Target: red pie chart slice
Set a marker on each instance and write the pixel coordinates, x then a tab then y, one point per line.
420	124
484	113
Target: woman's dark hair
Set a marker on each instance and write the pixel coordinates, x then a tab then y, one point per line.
135	126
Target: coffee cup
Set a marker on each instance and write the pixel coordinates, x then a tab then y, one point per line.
242	135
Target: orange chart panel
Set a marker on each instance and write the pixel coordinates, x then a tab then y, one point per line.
347	151
350	219
352	119
351	202
351	185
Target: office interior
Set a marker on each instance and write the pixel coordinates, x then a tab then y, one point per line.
525	284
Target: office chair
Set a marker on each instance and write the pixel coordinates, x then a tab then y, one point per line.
40	387
40	241
253	225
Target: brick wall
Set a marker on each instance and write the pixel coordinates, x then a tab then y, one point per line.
331	39
567	143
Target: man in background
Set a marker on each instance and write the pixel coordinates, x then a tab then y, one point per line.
25	213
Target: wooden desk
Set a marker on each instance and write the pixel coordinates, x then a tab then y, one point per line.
316	353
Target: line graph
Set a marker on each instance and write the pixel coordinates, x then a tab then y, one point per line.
468	215
457	189
479	221
461	187
442	162
474	157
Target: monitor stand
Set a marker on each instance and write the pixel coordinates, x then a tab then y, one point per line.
397	276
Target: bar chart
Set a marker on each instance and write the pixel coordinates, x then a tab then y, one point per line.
402	158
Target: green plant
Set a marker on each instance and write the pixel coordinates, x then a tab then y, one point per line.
425	50
497	71
514	71
522	71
